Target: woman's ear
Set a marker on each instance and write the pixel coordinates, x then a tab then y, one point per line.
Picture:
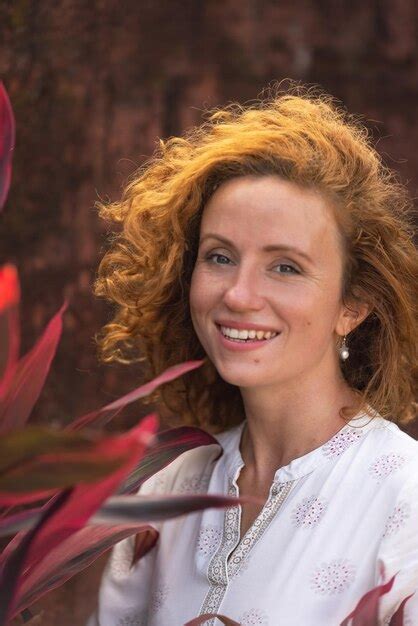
351	316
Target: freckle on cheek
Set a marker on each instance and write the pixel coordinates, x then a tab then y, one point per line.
256	360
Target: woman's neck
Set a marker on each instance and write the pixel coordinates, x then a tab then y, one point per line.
286	425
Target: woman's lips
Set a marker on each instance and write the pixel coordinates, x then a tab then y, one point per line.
243	325
240	346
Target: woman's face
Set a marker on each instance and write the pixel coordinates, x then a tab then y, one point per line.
270	259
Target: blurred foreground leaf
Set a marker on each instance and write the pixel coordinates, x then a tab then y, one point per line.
7	141
58	523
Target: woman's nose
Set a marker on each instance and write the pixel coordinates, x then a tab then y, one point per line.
243	292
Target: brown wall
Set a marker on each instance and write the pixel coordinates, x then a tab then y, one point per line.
94	84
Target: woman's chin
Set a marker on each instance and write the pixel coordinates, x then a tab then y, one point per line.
240	378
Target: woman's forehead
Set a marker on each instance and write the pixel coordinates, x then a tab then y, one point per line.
269	211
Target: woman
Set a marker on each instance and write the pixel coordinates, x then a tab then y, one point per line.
273	241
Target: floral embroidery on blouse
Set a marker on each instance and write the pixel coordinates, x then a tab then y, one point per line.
397	518
333	577
385	465
341	441
159	597
309	512
194	484
208	540
254	617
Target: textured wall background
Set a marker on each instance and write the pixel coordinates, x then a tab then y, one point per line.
94	84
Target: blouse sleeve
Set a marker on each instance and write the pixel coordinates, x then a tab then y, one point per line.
398	554
124	591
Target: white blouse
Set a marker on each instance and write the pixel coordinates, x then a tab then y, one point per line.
333	518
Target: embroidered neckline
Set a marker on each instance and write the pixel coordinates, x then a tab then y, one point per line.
348	435
232	551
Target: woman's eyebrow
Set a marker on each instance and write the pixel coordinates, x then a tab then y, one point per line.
269	248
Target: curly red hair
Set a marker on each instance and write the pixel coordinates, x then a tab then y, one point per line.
303	135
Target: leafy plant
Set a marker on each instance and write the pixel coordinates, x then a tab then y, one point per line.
71	475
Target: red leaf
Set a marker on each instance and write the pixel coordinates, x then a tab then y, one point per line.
7	142
32	497
36	462
12	567
106	413
366	611
169	445
9	323
19	521
150	508
397	618
144	542
86	499
29	377
82	503
78	552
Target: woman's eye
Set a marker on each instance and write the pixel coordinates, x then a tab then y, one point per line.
287	269
215	255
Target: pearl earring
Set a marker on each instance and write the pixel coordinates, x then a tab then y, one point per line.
344	351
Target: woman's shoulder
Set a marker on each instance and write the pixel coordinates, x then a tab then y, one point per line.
392	439
394	454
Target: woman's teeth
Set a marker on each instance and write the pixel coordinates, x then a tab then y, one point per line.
244	335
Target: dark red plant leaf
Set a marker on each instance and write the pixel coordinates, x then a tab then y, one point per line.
7	142
29	377
102	416
397	618
32	442
82	503
144	542
36	459
12	500
168	445
126	509
9	323
37	479
366	611
11	568
75	554
204	618
151	508
30	474
23	520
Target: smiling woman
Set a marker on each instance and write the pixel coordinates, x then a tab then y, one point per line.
284	273
273	241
